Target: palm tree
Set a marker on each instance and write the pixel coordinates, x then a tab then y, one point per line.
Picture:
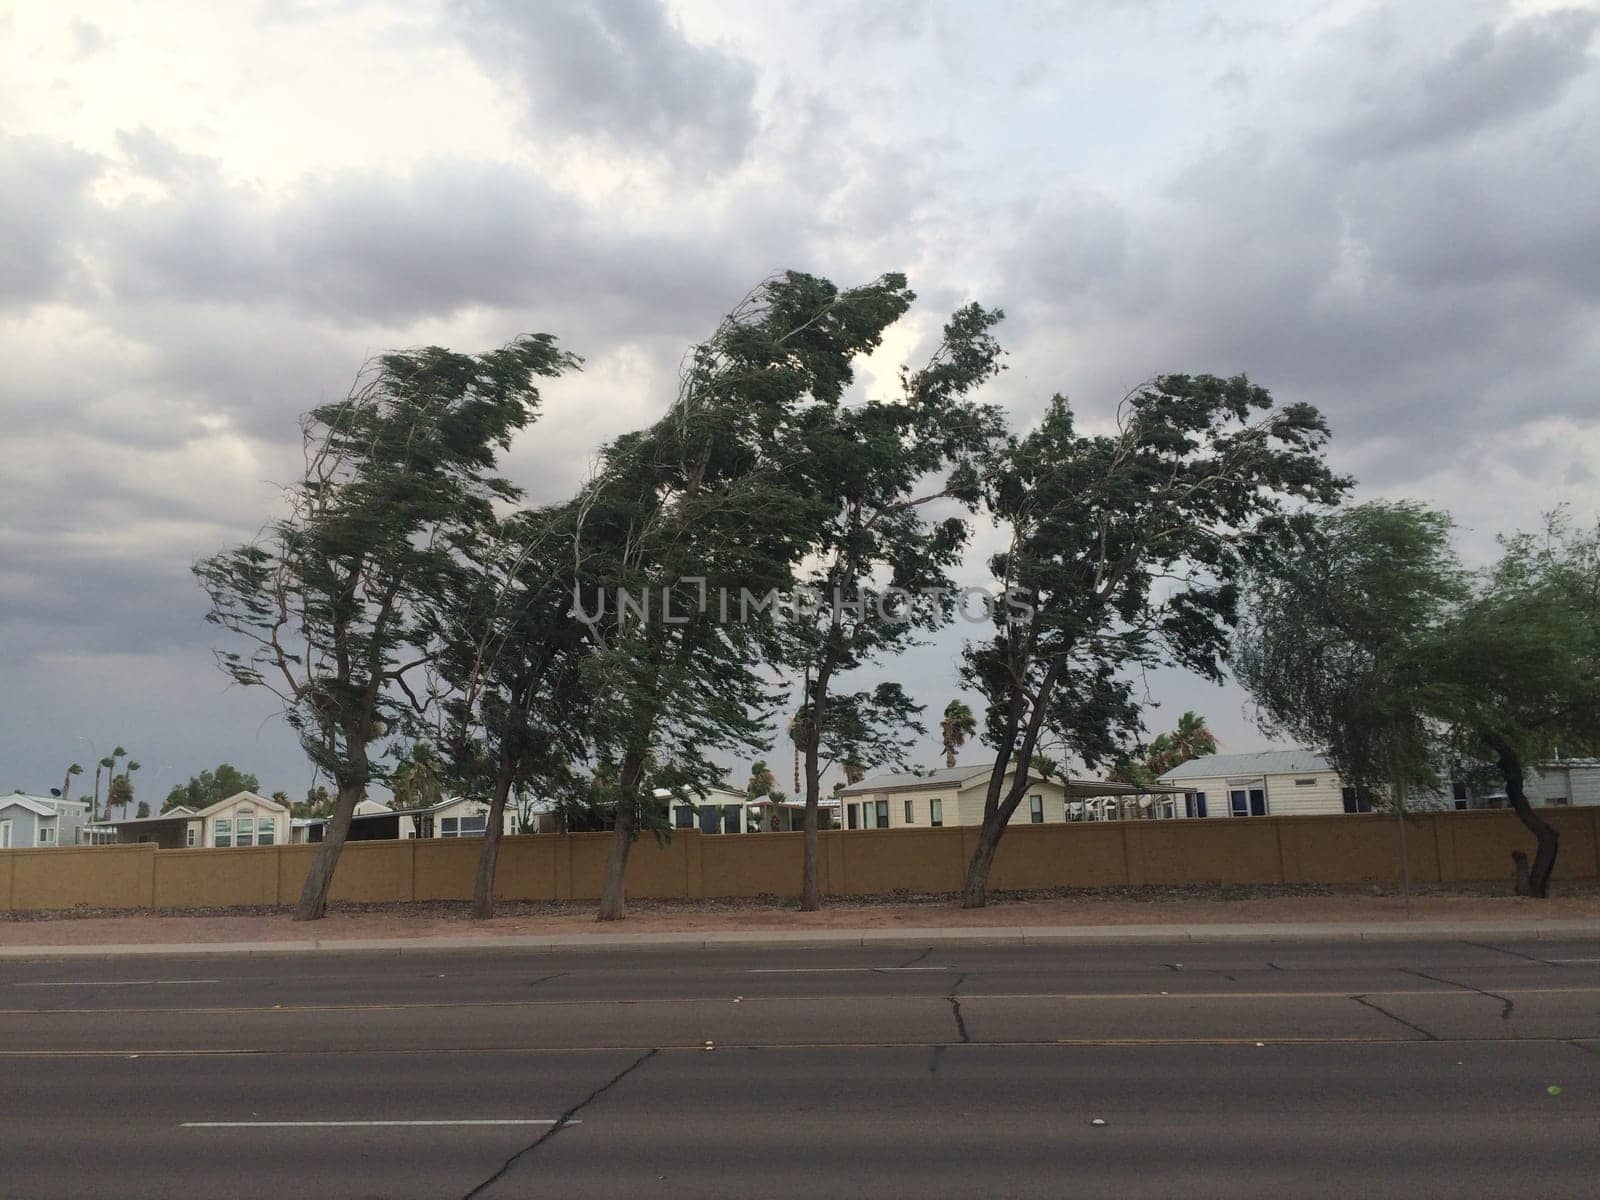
854	770
1191	739
108	764
417	781
762	781
66	784
957	726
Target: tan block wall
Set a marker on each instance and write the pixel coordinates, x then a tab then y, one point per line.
1442	847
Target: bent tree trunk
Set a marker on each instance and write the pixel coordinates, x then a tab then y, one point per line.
314	894
1536	881
976	892
483	885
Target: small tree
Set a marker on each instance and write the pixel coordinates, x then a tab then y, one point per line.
1335	647
416	781
511	666
143	810
331	601
955	727
1125	550
1518	669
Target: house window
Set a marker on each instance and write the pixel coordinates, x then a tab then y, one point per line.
1558	801
1458	791
47	835
448	826
5	835
267	831
883	814
852	817
1354	801
935	812
245	828
190	839
1247	802
474	826
911	812
222	834
731	814
1036	809
683	817
1305	783
1195	804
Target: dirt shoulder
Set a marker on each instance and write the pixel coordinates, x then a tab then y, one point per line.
1065	908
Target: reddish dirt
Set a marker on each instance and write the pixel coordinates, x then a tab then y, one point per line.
1115	906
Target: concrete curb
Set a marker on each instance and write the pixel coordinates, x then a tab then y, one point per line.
1086	935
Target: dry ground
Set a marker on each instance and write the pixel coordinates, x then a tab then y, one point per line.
1064	907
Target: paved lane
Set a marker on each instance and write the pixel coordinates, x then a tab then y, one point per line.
1270	1069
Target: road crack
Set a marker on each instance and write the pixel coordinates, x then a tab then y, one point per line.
1378	1008
562	1122
961	1024
1544	962
1505	1013
914	961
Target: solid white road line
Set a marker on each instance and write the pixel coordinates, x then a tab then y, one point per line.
116	982
360	1124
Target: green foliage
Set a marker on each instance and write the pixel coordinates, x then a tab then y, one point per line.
712	492
210	787
330	604
1518	666
1340	647
143	810
1125	551
416	780
318	803
511	650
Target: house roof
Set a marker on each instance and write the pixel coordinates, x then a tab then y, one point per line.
236	797
33	804
900	781
1267	762
962	777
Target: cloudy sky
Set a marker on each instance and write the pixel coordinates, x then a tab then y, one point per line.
211	214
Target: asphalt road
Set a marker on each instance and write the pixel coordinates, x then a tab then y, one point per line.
1448	1069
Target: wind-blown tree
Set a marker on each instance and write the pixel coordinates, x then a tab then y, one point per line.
709	503
955	727
1125	551
330	601
66	781
511	665
208	787
1336	644
107	764
119	790
878	469
1374	644
1191	739
1518	670
417	778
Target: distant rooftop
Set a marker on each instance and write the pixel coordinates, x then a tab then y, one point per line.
1266	762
